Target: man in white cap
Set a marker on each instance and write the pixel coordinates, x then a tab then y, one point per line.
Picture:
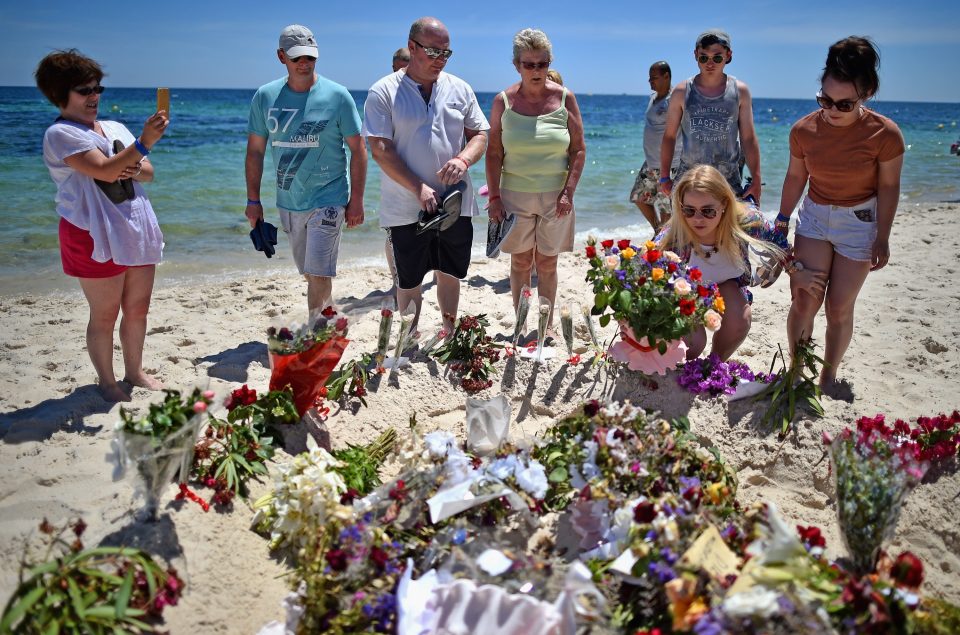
306	119
425	128
713	112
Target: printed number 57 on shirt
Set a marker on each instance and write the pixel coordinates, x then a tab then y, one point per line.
273	124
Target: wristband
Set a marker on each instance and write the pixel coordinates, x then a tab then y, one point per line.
142	149
664	179
250	201
782	219
495	197
466	166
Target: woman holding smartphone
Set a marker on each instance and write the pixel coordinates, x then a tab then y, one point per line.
109	236
850	156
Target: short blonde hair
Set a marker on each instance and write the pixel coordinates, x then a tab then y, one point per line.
531	40
554	76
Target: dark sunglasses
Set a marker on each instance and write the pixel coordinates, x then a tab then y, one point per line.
297	60
433	53
706	212
86	91
717	59
535	66
844	105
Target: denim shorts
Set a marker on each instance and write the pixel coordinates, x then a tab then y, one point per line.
315	239
851	230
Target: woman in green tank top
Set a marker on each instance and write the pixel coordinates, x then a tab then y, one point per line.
535	157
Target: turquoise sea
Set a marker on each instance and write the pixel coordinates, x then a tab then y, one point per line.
199	191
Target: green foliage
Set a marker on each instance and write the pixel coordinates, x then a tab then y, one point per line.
350	380
100	590
232	452
361	464
267	413
167	416
471	352
793	386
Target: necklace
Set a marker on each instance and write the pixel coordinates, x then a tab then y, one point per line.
708	250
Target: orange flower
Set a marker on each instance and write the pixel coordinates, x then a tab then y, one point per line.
718	303
656	274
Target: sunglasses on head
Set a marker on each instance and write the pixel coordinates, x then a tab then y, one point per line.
535	66
86	91
717	59
433	53
844	105
706	212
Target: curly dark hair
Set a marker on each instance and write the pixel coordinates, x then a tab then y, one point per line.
856	60
60	71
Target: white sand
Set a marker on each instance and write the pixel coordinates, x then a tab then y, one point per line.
55	431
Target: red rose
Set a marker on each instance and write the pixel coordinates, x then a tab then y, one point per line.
379	557
337	559
243	396
687	307
907	570
695	274
341	324
591	251
642	280
703	291
811	536
606	244
623	244
652	256
385	313
644	512
328	312
672	267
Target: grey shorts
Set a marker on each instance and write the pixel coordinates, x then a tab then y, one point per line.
851	230
646	189
315	239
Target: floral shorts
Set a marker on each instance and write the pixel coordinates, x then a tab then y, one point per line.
646	190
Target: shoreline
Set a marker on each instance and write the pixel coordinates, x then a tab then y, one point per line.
55	431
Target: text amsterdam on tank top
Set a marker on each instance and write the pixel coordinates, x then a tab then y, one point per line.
711	133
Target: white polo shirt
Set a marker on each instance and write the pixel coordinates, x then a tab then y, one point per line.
425	134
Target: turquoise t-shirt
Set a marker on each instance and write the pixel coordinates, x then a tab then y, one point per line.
305	132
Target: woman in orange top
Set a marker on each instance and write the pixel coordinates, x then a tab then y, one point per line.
851	158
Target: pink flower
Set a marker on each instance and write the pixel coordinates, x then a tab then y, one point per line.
200	407
712	320
209	394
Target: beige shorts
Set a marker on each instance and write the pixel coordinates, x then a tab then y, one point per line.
537	225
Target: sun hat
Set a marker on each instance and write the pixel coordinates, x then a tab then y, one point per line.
296	40
714	36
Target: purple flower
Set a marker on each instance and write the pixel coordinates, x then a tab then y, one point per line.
662	571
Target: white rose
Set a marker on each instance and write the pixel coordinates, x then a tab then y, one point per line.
611	262
672	257
712	320
681	287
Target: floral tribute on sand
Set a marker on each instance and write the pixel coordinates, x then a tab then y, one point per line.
471	353
98	590
712	376
793	386
655	298
304	357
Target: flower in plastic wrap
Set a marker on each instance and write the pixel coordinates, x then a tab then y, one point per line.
439	443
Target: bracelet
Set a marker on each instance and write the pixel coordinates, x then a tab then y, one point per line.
466	166
139	166
495	197
664	179
250	201
783	219
142	149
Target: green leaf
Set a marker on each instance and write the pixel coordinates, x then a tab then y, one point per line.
558	475
123	595
604	319
21	608
74	592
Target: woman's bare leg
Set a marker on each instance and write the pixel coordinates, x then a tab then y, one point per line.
816	255
104	298
846	279
135	303
736	321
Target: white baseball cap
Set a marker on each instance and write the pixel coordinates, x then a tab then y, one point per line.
296	40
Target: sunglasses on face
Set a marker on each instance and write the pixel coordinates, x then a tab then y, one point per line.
433	53
844	105
302	58
707	212
86	91
535	66
717	59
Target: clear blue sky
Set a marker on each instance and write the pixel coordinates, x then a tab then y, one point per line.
599	47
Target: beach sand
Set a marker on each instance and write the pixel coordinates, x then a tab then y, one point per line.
55	431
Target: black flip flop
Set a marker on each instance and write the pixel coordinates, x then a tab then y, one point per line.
497	232
448	211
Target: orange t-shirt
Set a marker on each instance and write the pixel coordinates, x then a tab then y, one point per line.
843	162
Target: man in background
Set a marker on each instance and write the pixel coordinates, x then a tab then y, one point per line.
425	128
306	118
401	58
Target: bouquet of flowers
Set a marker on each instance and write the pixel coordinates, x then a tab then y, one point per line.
873	473
161	443
715	377
471	352
304	357
653	295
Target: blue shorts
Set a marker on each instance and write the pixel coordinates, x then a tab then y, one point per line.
851	230
315	239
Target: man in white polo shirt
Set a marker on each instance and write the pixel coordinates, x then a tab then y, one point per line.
306	119
425	128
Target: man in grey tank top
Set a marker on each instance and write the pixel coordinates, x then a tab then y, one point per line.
714	113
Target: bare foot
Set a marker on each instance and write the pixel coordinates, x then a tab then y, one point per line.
143	380
838	389
113	392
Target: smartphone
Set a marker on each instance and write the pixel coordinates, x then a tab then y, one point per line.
163	100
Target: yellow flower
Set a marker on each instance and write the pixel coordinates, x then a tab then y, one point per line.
628	253
649	245
656	274
718	303
716	492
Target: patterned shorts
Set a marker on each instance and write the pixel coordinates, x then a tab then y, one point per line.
646	190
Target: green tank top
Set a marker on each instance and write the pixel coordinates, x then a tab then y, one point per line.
535	149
